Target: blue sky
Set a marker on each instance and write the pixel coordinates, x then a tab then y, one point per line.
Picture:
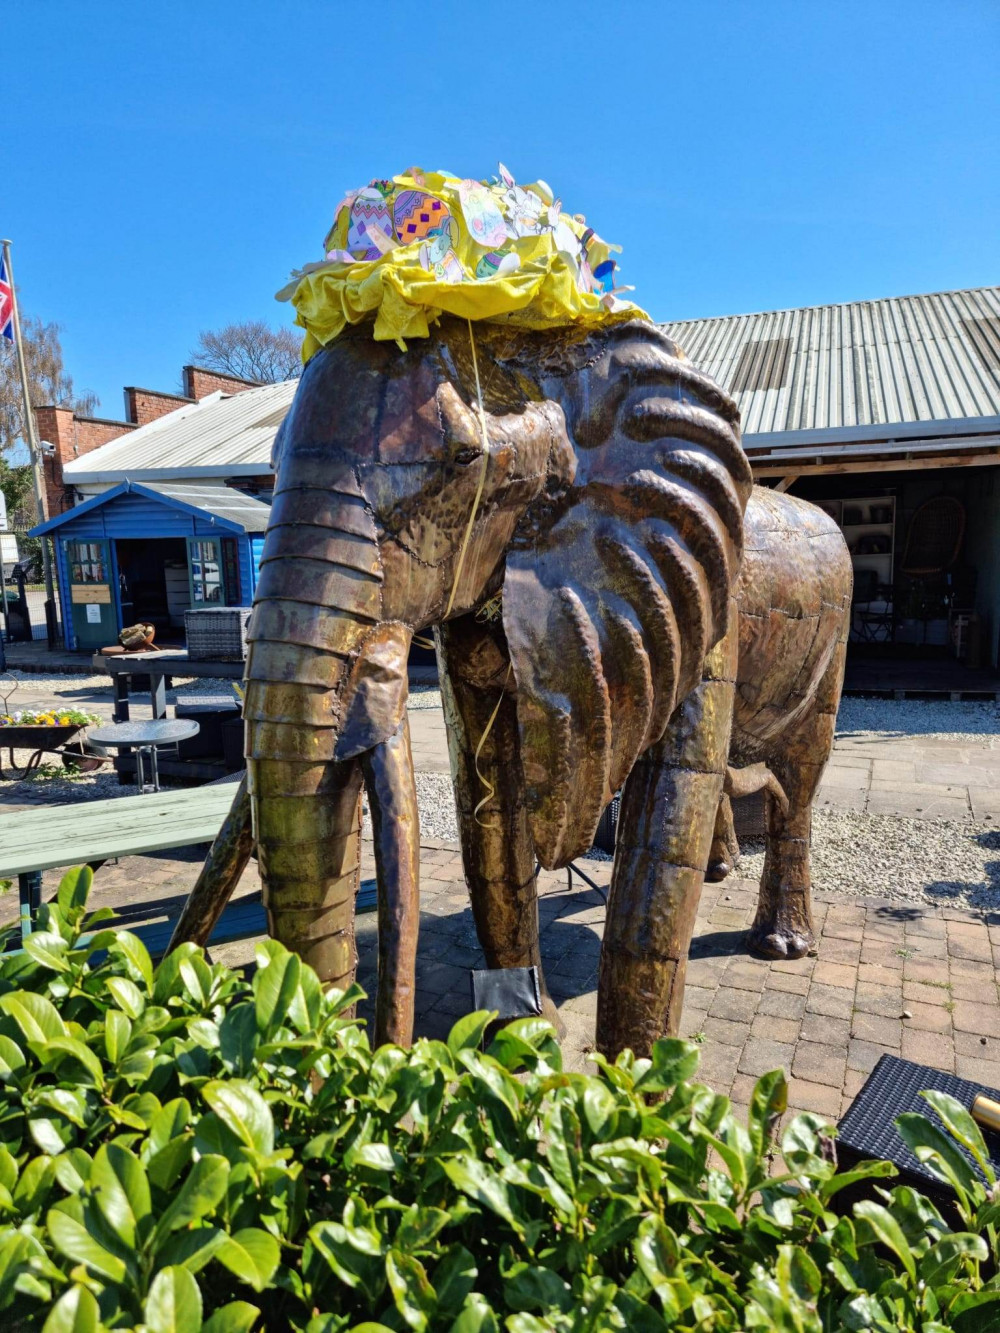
165	166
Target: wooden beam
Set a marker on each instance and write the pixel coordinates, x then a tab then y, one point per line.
786	483
878	465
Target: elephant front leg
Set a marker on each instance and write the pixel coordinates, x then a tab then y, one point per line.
664	836
498	855
725	850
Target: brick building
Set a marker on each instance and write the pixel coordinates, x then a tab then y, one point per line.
65	436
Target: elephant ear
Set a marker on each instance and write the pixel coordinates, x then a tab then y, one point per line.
563	709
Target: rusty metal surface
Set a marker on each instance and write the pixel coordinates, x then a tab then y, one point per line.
663	623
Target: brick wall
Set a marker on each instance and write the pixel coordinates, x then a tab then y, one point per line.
71	436
200	383
145	405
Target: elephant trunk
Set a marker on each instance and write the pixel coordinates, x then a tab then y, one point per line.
325	709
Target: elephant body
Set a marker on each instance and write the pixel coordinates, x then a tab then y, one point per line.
613	601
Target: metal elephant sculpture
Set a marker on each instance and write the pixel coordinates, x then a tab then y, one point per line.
615	603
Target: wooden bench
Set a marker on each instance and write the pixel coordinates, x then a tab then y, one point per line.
94	832
91	833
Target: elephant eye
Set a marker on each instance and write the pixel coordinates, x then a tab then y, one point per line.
468	455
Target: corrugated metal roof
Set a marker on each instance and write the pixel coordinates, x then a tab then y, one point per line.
864	363
223	435
222	501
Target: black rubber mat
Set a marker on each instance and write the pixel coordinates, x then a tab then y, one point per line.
867	1129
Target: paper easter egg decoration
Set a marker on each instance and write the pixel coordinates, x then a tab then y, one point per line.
415	215
496	264
369	215
482	214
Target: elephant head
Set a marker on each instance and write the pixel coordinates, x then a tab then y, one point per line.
606	504
618	582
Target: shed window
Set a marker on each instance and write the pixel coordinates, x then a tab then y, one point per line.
763	364
205	562
86	562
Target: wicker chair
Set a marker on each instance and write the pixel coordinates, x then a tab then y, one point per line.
935	537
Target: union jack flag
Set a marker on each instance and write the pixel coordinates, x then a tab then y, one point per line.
6	304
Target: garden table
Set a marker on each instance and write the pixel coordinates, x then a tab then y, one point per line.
145	738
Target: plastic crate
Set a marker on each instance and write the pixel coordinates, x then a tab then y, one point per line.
217	633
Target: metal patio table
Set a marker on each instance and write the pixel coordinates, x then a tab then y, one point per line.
145	738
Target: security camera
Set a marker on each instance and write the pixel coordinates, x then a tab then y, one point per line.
47	447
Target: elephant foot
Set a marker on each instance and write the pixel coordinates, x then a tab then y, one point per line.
776	936
717	871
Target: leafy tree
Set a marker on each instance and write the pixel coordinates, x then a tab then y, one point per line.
48	382
252	350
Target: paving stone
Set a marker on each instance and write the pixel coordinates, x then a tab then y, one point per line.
738	1005
928	1048
863	1056
781	1003
981	1019
978	1070
820	1098
793	982
725	1030
835	974
831	1000
927	1017
871	999
745	975
819	1064
761	1055
877	1028
775	1029
826	1030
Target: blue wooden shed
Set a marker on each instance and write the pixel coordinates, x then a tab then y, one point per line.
151	552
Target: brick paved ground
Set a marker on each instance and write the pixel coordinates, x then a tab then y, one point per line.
913	981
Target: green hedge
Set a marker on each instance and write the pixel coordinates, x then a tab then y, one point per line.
185	1150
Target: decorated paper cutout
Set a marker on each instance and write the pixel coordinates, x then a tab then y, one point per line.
405	251
370	225
497	263
482	214
416	215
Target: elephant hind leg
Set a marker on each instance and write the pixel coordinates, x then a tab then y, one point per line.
725	852
783	926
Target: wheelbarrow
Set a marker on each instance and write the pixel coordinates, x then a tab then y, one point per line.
40	738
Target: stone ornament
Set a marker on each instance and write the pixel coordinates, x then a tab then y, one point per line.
616	606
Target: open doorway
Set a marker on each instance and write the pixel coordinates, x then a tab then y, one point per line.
153	584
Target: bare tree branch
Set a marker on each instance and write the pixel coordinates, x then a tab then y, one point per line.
252	350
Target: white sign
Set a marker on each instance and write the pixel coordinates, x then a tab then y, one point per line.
93	613
3	512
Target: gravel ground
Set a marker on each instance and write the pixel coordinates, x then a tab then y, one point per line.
943	862
975	723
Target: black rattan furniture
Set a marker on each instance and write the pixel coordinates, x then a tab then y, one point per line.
867	1129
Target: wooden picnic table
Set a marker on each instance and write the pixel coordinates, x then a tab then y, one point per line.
161	665
94	832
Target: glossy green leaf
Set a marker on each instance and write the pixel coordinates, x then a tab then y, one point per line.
236	1317
199	1195
274	985
52	1048
121	1191
467	1033
74	1238
73	892
768	1102
76	1311
117	1035
413	1294
477	1181
127	995
48	950
36	1016
243	1111
136	956
476	1317
251	1255
238	1039
887	1230
960	1124
174	1302
672	1061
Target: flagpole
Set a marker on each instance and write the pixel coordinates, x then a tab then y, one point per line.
33	450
